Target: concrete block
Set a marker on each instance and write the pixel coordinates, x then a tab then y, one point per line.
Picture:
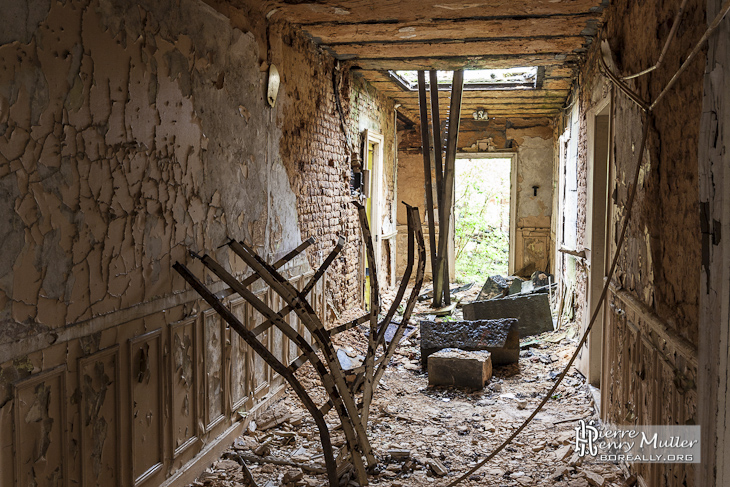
499	337
459	368
532	312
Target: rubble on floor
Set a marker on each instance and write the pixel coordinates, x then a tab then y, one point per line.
427	436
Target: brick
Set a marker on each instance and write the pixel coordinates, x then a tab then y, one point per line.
460	368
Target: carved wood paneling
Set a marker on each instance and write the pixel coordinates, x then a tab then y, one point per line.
146	405
99	379
214	383
40	430
183	384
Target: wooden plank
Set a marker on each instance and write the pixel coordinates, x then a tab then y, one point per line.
549	84
449	63
502	47
551	71
355	11
431	29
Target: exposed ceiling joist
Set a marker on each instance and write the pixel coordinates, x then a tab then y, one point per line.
374	36
424	30
361	11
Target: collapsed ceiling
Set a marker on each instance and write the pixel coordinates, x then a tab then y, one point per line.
377	36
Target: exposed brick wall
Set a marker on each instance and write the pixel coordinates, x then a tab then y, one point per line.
315	153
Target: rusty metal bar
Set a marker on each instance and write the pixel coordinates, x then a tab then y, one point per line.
374	311
436	129
437	143
414	222
441	281
427	169
403	284
273	362
289	256
349	416
325	375
312	282
323	268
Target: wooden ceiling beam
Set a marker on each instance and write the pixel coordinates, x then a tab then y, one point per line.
492	47
424	30
468	62
352	11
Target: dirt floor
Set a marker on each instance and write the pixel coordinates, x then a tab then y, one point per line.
429	436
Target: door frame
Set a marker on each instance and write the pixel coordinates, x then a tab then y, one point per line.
512	156
597	233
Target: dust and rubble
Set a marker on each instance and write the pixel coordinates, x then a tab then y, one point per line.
424	435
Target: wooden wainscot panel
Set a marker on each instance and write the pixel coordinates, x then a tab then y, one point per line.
183	384
277	339
214	390
40	429
260	373
303	330
100	386
532	246
240	361
146	403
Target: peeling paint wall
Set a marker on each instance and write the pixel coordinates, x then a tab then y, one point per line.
131	132
530	140
649	362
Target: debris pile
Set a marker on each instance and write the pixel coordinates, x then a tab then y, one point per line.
426	436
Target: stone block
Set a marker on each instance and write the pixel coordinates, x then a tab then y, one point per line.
459	368
532	312
499	337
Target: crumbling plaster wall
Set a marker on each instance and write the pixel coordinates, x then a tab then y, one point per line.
529	139
131	132
650	338
662	257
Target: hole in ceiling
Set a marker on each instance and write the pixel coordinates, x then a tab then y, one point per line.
523	78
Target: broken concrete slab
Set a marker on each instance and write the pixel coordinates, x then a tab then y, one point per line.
532	312
494	287
516	286
499	337
460	368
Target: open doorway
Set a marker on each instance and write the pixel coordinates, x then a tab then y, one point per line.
482	223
